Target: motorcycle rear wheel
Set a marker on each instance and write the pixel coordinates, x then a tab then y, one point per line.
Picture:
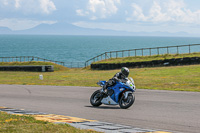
96	98
126	103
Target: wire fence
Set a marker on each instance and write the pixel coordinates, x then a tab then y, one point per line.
75	64
32	58
179	49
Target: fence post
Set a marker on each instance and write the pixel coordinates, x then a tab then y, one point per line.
129	53
177	50
189	49
150	52
142	51
135	53
158	50
167	50
116	54
122	53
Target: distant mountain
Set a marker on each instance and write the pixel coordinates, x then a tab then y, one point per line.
5	30
69	29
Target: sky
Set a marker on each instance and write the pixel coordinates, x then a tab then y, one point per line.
122	15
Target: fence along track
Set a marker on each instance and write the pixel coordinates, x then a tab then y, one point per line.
27	59
145	52
112	54
32	58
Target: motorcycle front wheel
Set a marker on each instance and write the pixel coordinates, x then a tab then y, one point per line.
126	103
96	98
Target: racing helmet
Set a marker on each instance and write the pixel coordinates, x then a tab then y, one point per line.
125	71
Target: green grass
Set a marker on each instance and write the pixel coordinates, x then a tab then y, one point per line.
27	124
56	66
182	78
147	58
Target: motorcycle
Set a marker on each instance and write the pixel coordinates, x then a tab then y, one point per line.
121	93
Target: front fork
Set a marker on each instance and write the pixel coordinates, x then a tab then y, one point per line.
103	94
126	94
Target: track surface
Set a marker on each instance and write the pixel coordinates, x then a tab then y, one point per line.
166	110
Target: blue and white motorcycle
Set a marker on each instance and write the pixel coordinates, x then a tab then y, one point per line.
121	93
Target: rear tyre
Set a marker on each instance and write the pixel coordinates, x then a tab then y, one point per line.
126	103
96	98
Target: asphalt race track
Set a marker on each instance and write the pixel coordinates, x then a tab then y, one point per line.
167	110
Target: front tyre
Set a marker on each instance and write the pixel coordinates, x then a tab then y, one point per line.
96	98
126	103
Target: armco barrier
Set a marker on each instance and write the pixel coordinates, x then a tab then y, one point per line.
154	63
43	68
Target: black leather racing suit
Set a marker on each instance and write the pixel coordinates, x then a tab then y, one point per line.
117	77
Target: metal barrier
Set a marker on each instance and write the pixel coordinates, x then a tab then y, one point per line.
27	59
32	58
146	52
75	64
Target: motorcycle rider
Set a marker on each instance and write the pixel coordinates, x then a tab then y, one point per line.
120	76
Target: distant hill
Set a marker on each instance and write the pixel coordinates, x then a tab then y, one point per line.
5	30
66	29
69	29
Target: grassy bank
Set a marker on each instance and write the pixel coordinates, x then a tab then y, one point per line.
147	58
56	66
183	78
27	124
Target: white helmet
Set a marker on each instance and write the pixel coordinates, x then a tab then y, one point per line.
125	71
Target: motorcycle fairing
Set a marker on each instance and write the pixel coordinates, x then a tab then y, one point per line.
101	83
118	88
108	101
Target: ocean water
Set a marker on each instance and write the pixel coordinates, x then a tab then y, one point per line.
81	48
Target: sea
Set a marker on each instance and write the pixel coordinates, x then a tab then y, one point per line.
67	48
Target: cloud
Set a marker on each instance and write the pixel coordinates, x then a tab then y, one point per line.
164	11
99	9
5	2
47	6
30	6
137	14
17	4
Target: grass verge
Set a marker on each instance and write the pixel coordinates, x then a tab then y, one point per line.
30	63
27	124
181	78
